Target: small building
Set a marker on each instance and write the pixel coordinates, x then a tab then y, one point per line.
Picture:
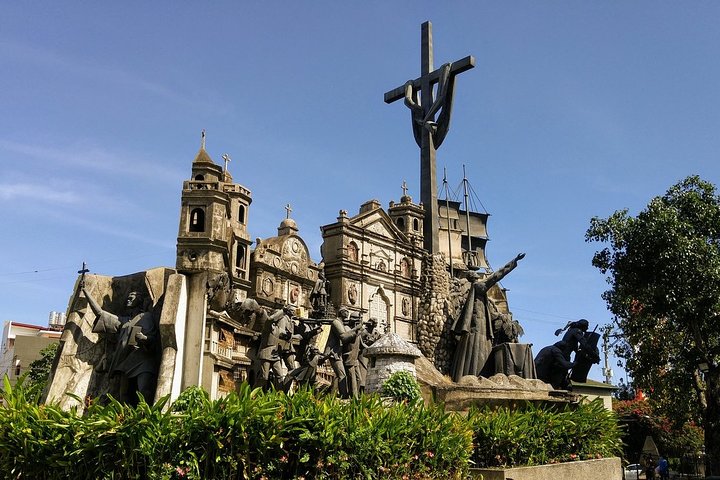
592	389
388	355
21	345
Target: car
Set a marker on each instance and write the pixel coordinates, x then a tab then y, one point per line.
634	471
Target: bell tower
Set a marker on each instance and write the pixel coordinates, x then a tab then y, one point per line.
408	217
212	241
212	235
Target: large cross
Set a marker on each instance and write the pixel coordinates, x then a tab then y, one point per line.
288	209
430	132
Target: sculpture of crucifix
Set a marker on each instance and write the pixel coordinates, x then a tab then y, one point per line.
430	123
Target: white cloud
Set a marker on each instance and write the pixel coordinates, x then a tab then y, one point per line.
37	192
88	155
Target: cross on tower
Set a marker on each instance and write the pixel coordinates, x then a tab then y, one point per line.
429	130
288	209
227	159
404	188
202	139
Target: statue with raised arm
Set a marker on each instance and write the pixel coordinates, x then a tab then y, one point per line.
133	357
473	328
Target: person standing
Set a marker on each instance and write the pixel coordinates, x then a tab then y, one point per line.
663	468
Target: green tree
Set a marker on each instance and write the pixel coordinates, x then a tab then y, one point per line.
663	268
38	373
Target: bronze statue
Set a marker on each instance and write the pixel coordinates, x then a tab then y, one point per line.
553	364
473	327
319	294
351	354
340	335
274	331
134	358
368	336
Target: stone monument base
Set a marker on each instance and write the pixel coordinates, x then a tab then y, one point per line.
498	390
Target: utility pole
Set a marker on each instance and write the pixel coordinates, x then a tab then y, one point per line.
606	370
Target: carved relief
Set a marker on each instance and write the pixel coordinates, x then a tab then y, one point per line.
405	269
294	294
352	251
406	306
352	294
268	286
380	229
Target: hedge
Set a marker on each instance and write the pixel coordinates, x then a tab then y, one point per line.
252	434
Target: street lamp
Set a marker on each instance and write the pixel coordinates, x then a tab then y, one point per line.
703	366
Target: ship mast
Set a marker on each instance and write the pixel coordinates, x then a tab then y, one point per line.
447	217
467	219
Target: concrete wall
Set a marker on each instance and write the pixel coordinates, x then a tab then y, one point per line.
602	469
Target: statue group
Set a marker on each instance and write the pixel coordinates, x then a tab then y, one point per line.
553	363
286	352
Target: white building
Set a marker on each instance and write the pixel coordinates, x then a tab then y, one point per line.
21	345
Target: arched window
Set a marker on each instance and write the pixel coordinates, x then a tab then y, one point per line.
400	223
352	251
197	220
378	307
199	177
241	214
416	224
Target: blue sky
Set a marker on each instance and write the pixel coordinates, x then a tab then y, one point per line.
574	110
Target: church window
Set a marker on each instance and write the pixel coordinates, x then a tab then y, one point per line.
240	256
199	177
416	224
197	220
400	223
378	309
352	251
241	214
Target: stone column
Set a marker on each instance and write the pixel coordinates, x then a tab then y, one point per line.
433	322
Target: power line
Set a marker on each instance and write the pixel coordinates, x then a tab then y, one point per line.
100	262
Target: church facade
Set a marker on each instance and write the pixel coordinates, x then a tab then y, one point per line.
371	262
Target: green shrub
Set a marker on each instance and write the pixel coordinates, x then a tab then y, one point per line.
537	435
253	434
249	434
402	386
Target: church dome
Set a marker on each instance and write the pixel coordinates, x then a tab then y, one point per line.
288	227
289	223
